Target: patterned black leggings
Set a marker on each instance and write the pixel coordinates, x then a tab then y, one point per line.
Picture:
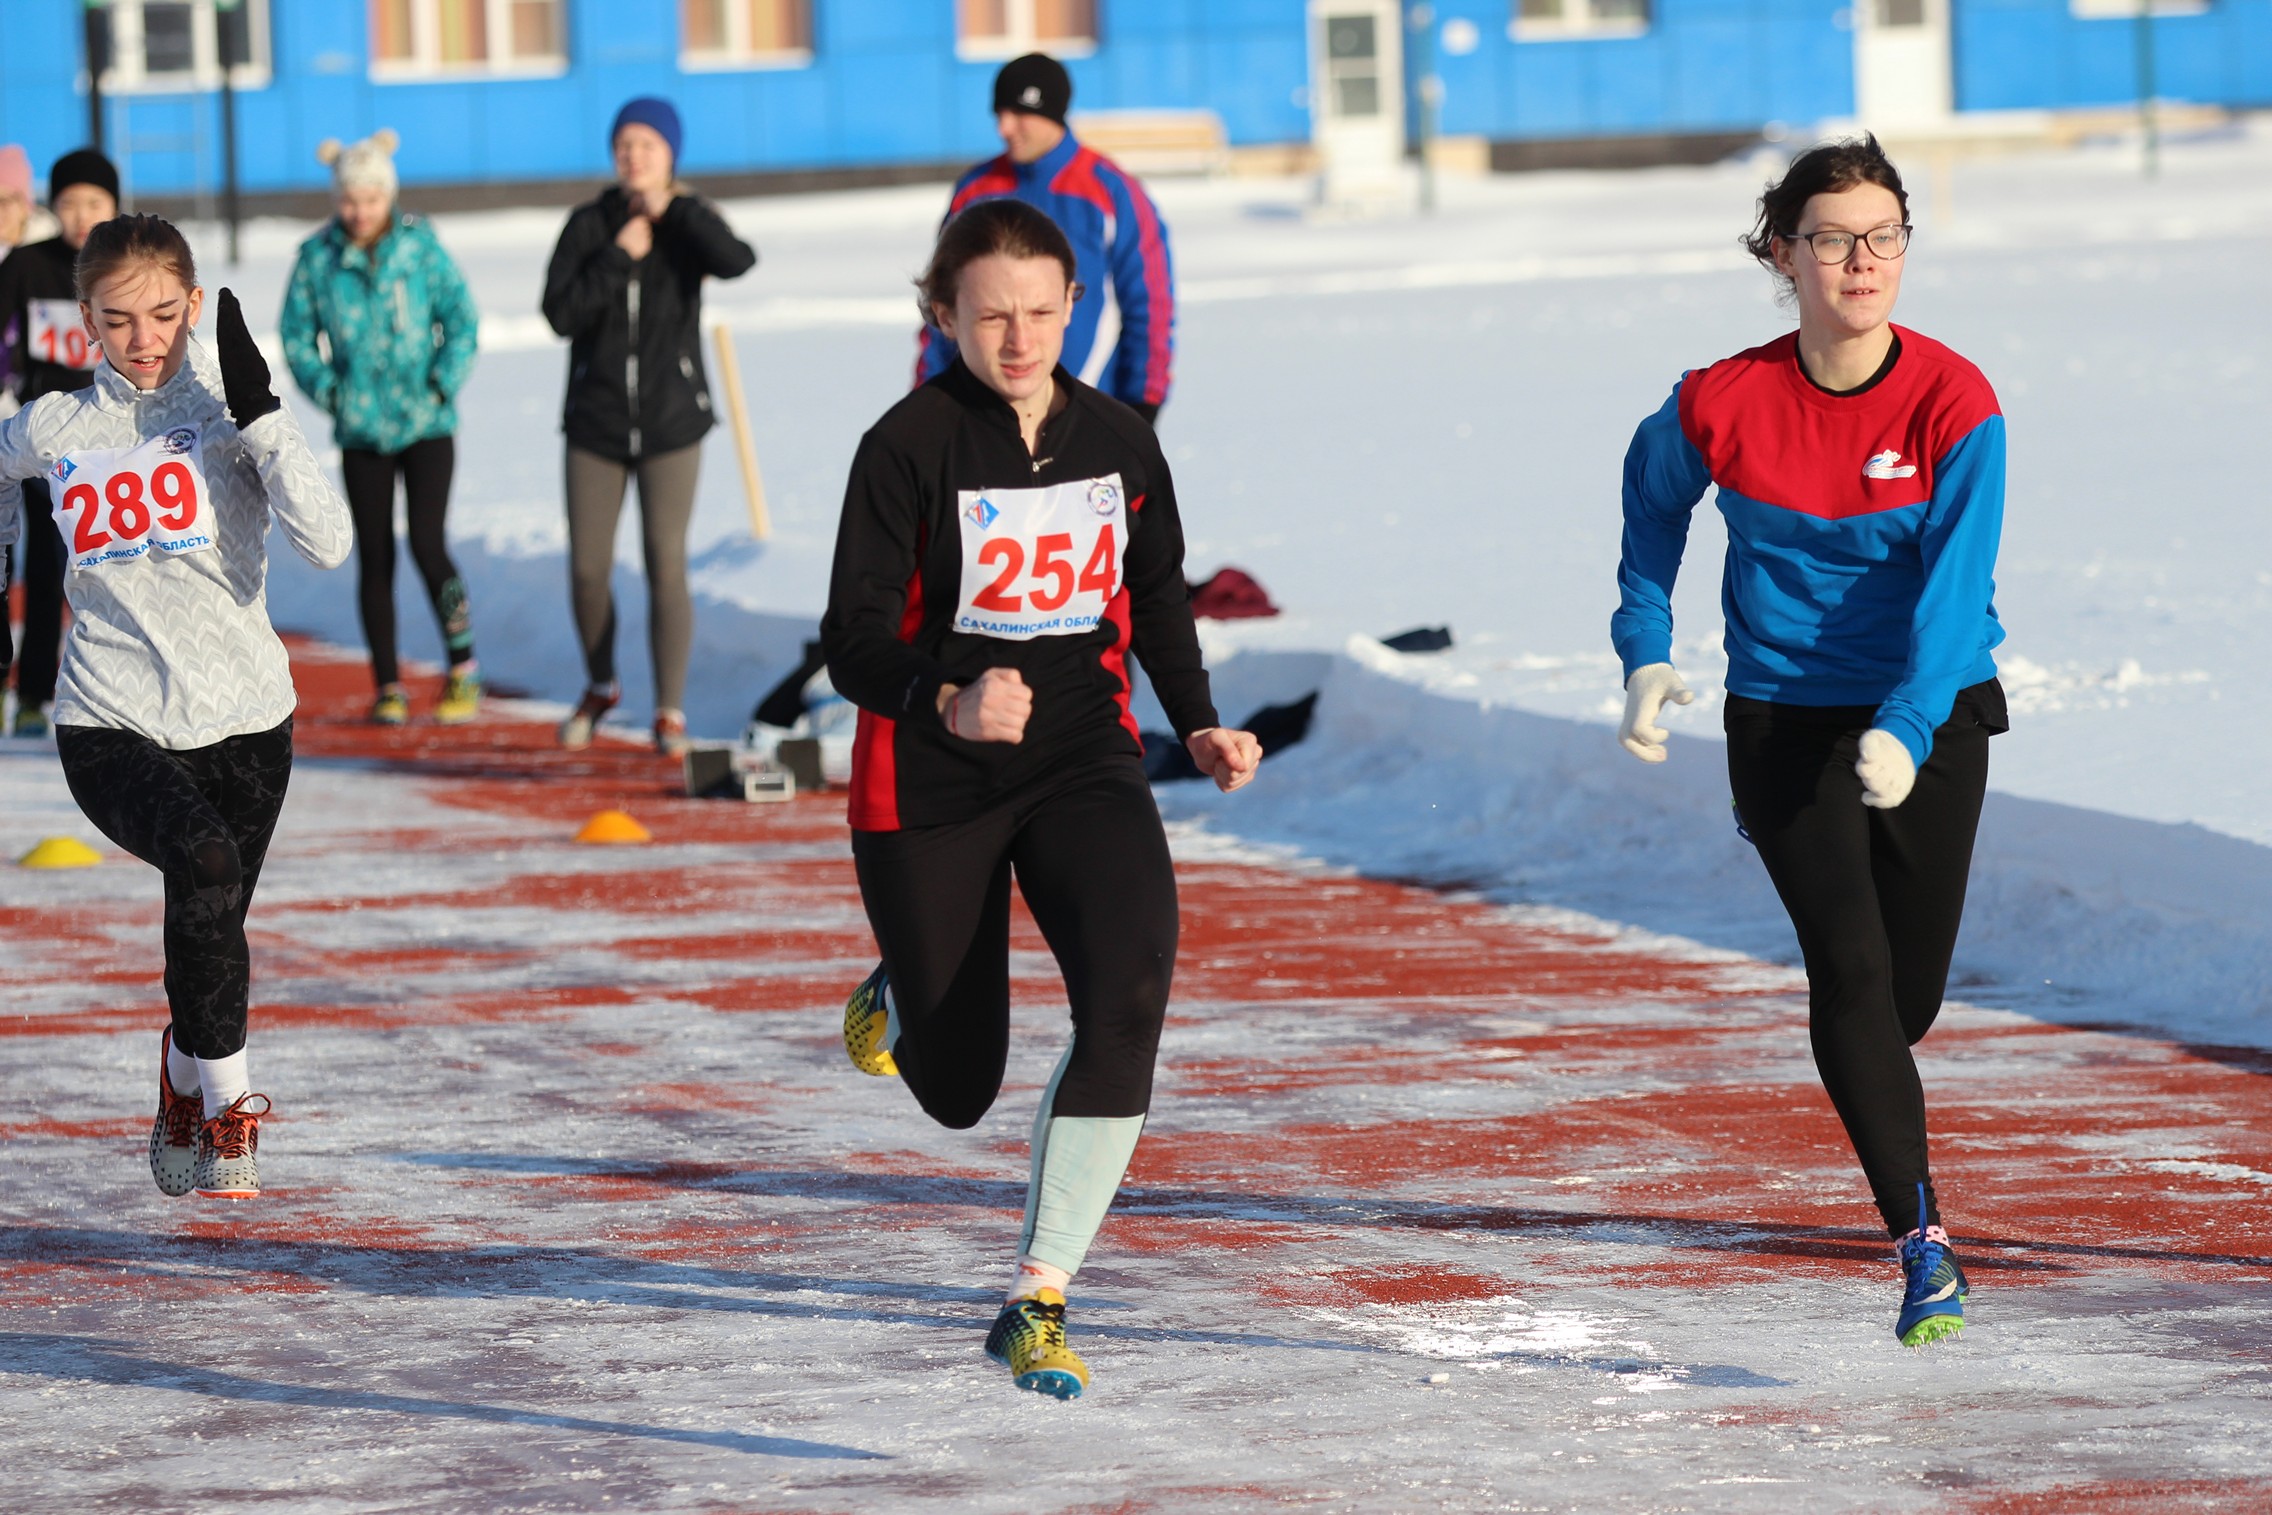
202	818
369	476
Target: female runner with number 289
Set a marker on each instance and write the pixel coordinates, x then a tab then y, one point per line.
174	708
1009	537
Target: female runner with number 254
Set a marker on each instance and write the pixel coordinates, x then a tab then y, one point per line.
1009	537
173	715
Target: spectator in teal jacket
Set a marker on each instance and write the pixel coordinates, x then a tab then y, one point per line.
380	331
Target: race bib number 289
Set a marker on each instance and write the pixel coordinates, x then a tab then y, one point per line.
1040	562
117	504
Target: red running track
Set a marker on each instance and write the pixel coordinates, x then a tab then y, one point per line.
1442	1205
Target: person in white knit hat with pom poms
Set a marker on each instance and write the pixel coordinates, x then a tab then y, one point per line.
398	328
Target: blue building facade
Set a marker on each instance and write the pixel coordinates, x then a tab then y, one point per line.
848	84
2026	54
1697	66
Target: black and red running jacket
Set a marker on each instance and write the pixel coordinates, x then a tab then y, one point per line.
893	596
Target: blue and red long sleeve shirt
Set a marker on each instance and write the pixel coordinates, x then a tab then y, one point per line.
1862	530
1116	234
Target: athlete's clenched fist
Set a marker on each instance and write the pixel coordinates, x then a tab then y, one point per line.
993	708
1228	757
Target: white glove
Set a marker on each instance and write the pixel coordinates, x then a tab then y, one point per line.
1645	694
1885	769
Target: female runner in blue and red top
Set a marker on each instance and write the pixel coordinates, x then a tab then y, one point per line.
1861	471
1009	538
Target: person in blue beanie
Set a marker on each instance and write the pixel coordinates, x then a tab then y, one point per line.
625	289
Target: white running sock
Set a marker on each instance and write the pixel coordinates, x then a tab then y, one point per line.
224	1080
181	1070
1032	1275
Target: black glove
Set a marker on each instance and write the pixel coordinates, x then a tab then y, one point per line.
244	372
1150	413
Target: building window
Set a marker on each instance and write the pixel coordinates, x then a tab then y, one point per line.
419	39
1007	28
745	33
1352	67
171	45
2115	10
1560	20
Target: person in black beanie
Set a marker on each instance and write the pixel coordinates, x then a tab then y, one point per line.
44	349
1116	232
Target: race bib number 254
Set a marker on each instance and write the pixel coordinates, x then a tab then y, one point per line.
1040	562
117	504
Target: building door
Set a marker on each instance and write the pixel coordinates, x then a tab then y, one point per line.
1901	62
1357	92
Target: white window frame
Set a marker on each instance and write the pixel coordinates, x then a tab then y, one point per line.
1018	38
1584	26
737	53
128	73
2127	10
425	40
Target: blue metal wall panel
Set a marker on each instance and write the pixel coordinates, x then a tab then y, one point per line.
40	105
2038	55
1702	65
885	84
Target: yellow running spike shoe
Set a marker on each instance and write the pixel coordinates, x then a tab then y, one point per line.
1029	1339
461	697
867	1028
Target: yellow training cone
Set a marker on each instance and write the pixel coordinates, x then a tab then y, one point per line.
613	826
61	852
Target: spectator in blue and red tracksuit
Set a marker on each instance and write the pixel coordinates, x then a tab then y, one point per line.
1115	230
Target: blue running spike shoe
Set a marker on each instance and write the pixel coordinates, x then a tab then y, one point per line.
867	1028
1029	1339
1932	1304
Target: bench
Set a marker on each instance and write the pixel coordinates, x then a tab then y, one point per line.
1157	141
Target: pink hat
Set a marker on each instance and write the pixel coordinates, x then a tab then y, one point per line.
15	171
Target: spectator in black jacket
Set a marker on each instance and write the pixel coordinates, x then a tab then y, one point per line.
45	348
625	287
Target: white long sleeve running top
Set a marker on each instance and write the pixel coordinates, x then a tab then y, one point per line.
164	506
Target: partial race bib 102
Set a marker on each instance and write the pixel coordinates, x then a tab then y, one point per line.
54	332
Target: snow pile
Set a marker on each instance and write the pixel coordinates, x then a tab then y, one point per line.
1411	421
2074	914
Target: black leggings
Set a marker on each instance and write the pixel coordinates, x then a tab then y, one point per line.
40	548
203	818
1876	897
425	468
1092	862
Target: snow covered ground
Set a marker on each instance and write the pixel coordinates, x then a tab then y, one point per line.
571	1202
1401	420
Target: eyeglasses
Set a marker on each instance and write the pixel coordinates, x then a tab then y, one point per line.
1837	246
